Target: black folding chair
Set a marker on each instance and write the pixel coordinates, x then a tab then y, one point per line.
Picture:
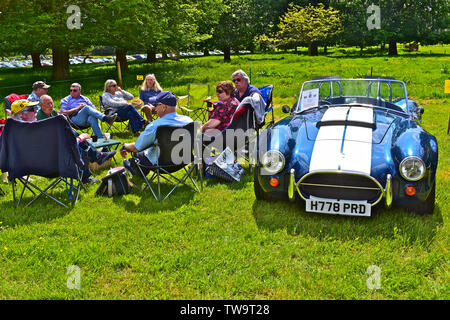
45	148
242	146
120	125
165	166
77	127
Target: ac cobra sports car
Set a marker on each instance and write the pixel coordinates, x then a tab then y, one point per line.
349	147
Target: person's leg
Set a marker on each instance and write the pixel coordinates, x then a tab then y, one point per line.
148	113
93	122
93	155
136	120
80	119
131	165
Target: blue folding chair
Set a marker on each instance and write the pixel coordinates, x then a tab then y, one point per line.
267	93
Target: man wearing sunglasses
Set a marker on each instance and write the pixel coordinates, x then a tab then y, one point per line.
165	106
242	84
24	110
82	112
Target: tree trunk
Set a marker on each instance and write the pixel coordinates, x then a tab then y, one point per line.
383	46
206	52
392	48
227	54
36	58
361	49
325	49
121	56
151	56
313	49
61	66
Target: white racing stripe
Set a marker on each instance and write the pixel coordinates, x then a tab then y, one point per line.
340	147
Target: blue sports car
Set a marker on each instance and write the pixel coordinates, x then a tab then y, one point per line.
349	147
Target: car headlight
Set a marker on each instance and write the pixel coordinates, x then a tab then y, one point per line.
412	168
273	161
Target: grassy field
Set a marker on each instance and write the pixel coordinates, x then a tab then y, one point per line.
222	243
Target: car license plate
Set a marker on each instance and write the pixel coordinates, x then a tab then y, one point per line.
343	207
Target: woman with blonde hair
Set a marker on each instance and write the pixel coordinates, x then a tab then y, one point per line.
115	101
149	89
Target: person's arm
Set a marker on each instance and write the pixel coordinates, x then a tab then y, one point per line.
113	102
126	95
210	124
128	147
66	108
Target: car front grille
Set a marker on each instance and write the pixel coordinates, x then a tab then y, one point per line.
342	186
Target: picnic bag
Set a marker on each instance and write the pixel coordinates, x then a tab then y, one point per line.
115	183
226	167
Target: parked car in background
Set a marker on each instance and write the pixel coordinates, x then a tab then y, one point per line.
350	146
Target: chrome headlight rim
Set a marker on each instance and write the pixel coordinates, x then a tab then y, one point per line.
412	158
268	158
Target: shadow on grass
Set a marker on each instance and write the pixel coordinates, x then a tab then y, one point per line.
147	203
42	210
390	224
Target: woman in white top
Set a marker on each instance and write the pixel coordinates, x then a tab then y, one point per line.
115	100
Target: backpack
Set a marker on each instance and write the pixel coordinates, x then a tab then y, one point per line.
115	183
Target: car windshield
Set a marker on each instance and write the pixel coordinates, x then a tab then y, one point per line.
334	91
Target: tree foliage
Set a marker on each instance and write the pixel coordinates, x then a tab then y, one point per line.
310	24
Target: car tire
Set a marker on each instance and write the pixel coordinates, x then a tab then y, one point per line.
428	206
259	192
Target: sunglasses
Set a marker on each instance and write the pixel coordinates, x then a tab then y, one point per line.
29	109
73	90
158	104
113	85
220	91
237	80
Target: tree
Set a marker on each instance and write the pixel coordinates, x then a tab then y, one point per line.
310	25
238	26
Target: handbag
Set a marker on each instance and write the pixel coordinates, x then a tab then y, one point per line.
115	183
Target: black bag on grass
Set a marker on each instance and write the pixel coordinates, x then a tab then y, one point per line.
115	183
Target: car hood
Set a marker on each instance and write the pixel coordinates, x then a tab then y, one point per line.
354	139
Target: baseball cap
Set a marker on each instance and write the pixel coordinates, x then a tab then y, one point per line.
40	84
21	104
167	98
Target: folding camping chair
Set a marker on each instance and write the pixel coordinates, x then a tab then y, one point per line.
267	94
77	127
195	103
49	150
242	146
120	125
9	99
166	165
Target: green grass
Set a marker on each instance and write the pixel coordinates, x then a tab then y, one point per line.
222	243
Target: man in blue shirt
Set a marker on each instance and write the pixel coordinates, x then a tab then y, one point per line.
165	106
82	112
242	83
